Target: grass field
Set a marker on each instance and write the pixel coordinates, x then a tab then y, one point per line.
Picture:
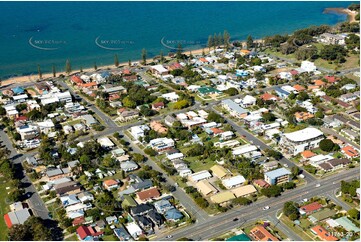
4	207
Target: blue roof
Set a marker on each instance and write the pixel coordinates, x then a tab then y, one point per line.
277	173
234	106
18	90
280	90
173	214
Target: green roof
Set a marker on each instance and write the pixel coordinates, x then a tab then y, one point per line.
129	201
321	215
206	90
240	237
347	224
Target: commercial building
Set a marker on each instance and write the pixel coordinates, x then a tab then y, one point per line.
301	140
277	176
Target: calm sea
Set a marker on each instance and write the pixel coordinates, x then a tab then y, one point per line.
48	33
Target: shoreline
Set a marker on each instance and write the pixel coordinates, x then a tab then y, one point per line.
351	15
34	77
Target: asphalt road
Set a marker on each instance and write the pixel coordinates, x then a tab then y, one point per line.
222	223
35	202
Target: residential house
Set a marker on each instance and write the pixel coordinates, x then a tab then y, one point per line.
122	234
161	144
198	176
148	194
139	131
158	127
234	109
110	184
158	106
162	206
350	152
260	233
234	181
219	171
310	208
127	115
323	234
173	214
205	188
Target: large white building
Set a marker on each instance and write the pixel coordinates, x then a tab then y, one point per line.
161	144
301	140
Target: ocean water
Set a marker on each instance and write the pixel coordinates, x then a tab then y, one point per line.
47	33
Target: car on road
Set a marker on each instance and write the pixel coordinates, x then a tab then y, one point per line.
235	219
265	208
318	185
285	165
305	200
168	236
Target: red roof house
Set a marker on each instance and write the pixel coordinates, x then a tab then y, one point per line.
310	208
268	97
148	194
76	80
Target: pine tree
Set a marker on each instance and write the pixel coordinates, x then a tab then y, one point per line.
54	71
67	67
161	56
81	69
39	72
116	60
144	56
203	53
179	51
226	39
95	66
250	43
220	39
190	55
210	42
215	41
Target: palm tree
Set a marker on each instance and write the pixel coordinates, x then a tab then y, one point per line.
116	61
54	71
67	67
39	72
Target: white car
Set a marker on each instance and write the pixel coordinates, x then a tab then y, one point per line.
168	236
285	165
318	185
266	208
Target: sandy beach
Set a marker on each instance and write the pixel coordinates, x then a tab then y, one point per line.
351	14
35	77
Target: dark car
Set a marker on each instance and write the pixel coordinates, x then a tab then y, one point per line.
235	219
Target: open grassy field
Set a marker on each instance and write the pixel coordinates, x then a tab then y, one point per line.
4	207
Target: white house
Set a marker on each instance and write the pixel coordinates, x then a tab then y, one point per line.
248	101
308	66
234	181
138	131
172	96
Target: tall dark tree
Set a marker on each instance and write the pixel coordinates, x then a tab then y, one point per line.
226	39
81	69
116	60
161	56
210	42
179	51
95	66
144	56
129	62
39	72
67	67
250	42
53	70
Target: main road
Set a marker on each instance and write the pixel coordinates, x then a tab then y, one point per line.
222	223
